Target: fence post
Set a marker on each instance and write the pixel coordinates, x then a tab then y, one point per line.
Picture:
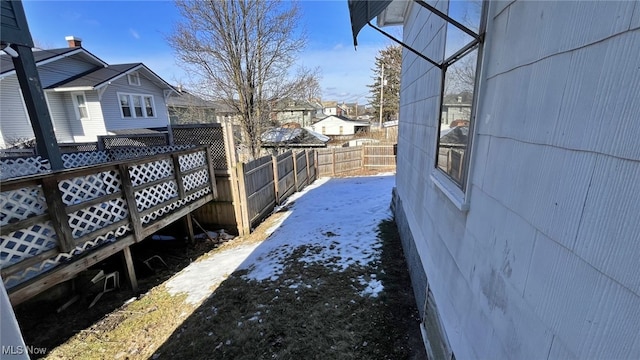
295	170
245	227
276	178
362	155
333	162
306	156
316	167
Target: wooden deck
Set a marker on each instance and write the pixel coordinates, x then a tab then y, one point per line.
55	225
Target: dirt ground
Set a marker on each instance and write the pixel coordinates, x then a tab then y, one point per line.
329	318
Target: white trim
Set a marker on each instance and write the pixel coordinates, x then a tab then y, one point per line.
76	105
70	89
109	81
450	190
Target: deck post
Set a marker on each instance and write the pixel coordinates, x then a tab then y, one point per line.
130	197
131	273
59	217
189	225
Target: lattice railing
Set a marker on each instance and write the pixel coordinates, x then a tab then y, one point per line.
51	219
17	167
212	135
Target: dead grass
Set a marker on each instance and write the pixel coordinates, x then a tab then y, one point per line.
310	312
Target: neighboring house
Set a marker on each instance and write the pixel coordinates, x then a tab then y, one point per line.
332	108
456	107
299	111
287	138
186	108
530	249
86	96
339	126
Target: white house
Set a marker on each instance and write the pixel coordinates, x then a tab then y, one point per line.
339	126
525	244
86	96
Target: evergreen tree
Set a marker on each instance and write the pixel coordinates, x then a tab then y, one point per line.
391	59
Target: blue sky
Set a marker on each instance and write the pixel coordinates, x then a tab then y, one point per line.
135	31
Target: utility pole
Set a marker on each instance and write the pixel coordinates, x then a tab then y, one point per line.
381	93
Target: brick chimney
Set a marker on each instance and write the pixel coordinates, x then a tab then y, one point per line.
73	41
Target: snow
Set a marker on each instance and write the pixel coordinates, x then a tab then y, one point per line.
336	220
338	216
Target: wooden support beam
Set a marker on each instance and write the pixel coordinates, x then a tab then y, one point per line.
57	213
178	175
130	197
34	101
128	265
65	272
212	173
188	223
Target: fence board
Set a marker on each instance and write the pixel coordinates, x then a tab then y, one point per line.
286	180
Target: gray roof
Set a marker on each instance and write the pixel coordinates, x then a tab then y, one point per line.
6	64
96	77
186	99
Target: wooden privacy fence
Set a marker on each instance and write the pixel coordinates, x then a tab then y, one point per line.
54	226
268	181
335	161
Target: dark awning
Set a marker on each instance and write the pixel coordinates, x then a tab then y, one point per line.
363	11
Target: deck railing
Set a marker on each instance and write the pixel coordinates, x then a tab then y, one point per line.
49	222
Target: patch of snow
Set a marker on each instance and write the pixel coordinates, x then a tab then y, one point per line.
373	289
211	234
198	278
336	220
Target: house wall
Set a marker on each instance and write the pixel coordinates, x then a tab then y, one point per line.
59	111
298	116
14	120
111	106
544	262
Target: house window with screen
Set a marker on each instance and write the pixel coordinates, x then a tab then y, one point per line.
136	106
459	92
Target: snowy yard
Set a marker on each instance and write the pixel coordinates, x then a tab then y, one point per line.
326	280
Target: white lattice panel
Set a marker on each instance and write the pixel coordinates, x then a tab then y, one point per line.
48	264
96	217
152	171
79	159
192	161
17	167
16	205
195	179
155	195
161	212
84	188
25	243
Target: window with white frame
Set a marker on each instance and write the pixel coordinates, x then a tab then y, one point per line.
136	106
80	104
134	78
458	94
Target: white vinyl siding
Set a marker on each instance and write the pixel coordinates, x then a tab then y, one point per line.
14	121
59	116
112	111
544	263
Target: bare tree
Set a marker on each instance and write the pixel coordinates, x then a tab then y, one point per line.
242	51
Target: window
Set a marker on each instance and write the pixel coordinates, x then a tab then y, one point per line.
341	130
134	79
457	110
136	106
80	103
324	130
